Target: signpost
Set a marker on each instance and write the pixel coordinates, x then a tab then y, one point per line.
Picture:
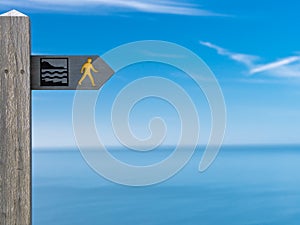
15	120
20	73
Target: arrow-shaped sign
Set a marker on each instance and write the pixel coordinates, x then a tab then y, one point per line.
68	72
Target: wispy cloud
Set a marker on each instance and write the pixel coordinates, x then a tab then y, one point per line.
275	65
176	7
286	67
248	60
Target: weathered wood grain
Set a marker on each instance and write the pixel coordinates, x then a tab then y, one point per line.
15	120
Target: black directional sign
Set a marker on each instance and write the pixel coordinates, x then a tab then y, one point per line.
68	72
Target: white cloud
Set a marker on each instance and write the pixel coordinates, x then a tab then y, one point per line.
286	67
275	65
248	60
292	70
176	7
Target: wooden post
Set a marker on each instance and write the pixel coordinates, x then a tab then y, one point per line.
15	119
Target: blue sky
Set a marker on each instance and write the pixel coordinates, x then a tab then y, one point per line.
251	46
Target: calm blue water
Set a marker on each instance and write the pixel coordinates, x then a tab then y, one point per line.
245	185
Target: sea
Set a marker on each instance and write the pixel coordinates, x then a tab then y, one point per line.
246	185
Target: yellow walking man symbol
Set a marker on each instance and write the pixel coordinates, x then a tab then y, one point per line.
86	70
